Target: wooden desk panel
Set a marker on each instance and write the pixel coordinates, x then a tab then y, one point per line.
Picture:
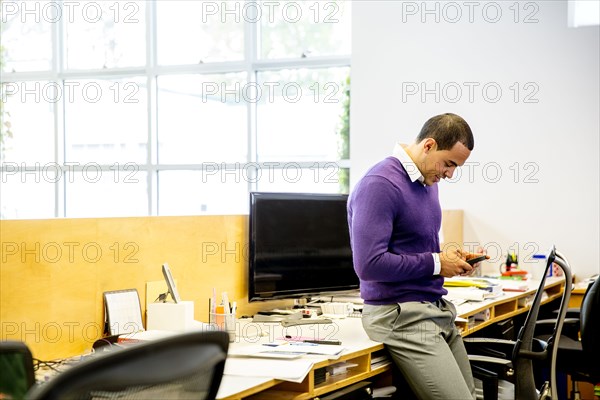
506	306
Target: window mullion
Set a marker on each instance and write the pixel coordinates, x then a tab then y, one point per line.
251	36
150	72
59	117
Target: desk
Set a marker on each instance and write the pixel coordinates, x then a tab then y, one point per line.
508	305
577	297
360	348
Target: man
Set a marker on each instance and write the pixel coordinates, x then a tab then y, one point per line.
395	217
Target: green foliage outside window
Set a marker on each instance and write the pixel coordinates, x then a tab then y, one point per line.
5	131
344	138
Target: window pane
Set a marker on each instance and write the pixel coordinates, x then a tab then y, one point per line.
291	29
28	194
105	34
26	35
202	118
93	192
198	192
106	121
305	111
289	177
196	32
29	112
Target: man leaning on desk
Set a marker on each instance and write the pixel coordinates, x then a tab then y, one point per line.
394	216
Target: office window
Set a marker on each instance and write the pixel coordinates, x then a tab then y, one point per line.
106	35
198	121
170	107
197	32
106	122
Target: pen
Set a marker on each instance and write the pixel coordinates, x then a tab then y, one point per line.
331	342
225	299
213	301
303	344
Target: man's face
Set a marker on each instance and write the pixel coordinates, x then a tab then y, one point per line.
440	164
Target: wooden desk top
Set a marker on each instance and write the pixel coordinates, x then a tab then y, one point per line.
360	347
349	331
507	305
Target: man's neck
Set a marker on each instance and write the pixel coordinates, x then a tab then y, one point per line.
412	151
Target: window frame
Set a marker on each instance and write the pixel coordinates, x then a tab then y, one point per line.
251	66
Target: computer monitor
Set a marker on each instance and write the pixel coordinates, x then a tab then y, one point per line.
170	283
299	246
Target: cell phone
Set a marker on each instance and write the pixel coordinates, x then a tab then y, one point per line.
475	260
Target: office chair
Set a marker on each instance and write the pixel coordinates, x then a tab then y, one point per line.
16	369
184	366
579	358
513	360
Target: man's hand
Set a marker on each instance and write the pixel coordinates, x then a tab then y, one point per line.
453	264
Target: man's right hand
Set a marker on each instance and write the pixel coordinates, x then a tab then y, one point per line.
453	263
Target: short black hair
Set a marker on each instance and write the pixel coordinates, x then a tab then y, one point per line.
446	130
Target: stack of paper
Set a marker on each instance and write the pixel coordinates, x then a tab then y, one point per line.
466	293
286	350
292	371
340	368
480	283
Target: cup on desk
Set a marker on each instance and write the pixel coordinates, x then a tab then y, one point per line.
224	322
338	310
537	267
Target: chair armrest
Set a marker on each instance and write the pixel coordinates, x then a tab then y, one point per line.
570	328
553	321
499	348
572	312
490	360
502	368
489	380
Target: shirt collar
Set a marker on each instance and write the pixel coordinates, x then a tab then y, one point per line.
409	165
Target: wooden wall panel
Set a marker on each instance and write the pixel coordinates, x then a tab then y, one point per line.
53	272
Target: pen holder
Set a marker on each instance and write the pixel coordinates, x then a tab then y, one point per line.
224	322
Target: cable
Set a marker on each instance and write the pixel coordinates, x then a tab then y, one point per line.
52	364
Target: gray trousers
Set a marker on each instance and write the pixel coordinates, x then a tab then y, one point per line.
425	345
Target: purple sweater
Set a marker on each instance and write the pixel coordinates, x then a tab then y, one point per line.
394	225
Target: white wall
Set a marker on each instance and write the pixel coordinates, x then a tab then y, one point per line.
555	197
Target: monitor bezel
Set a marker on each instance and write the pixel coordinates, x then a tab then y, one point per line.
253	296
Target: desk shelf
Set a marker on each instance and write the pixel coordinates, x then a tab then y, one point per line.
503	308
307	388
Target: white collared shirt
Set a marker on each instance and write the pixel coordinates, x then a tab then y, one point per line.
415	175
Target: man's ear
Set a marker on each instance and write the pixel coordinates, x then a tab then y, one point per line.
429	144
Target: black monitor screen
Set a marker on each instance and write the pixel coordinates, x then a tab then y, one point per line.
299	245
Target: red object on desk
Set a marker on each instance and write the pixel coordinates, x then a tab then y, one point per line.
516	272
514	289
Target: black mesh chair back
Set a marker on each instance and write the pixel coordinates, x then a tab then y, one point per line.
524	354
590	327
16	369
184	366
514	361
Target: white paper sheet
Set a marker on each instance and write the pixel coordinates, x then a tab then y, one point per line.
289	370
